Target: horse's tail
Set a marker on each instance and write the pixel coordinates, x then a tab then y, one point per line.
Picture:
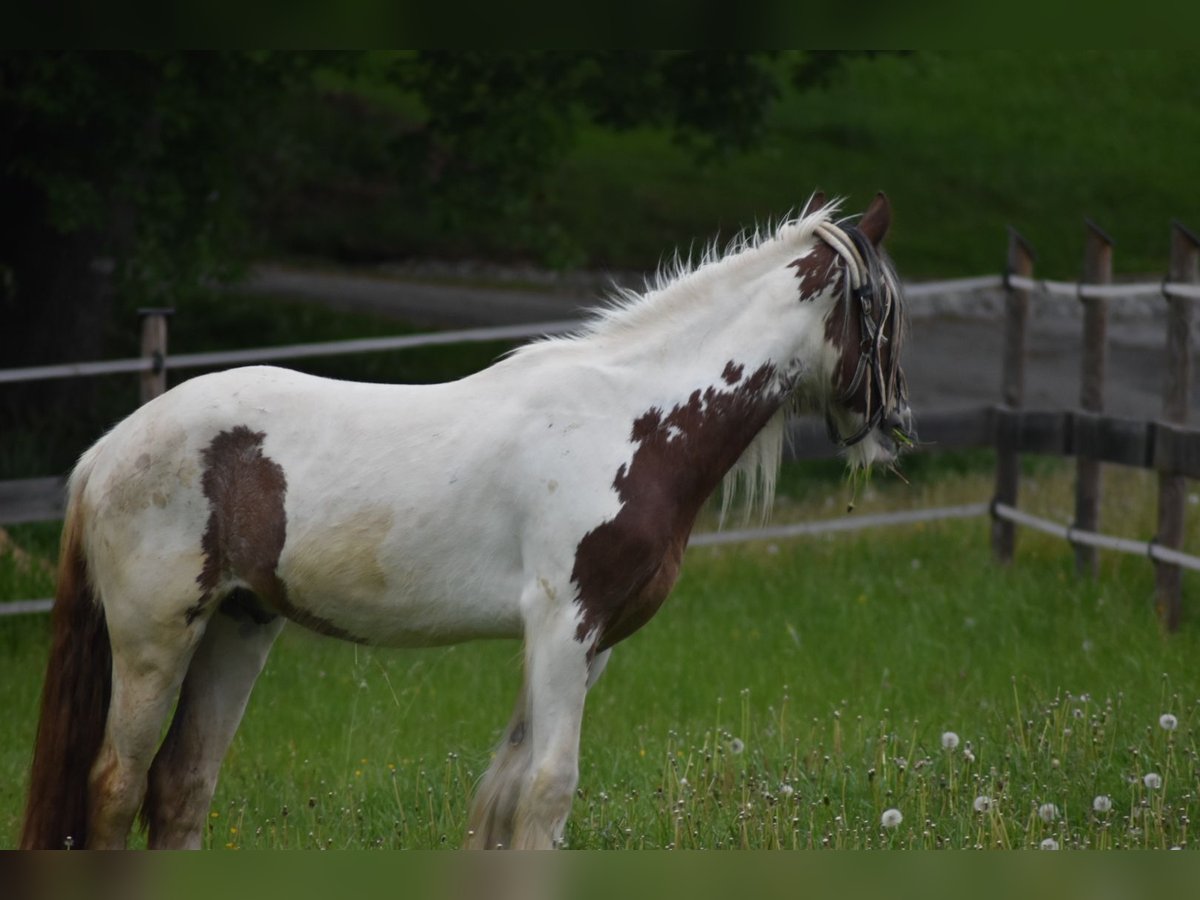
75	696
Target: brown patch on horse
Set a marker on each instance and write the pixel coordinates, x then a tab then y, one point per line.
814	269
247	527
845	333
625	567
74	709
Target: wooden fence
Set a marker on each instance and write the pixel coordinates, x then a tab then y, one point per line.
1165	444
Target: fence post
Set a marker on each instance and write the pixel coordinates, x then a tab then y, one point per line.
1097	269
1184	267
154	347
1008	464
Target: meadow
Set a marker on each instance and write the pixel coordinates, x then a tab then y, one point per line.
789	695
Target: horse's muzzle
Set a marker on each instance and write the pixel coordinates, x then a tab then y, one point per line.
898	426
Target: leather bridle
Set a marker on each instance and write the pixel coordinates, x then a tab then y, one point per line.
873	295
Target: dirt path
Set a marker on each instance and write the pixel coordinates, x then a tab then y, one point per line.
953	360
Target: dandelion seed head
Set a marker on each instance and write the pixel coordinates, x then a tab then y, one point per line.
1102	803
1168	722
1049	844
891	818
1047	812
968	755
736	746
786	790
949	740
982	803
1152	780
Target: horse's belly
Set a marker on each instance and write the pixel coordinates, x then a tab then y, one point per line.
396	610
356	590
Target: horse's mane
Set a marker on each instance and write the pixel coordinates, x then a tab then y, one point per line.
670	288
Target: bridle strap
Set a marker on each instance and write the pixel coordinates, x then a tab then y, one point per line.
851	246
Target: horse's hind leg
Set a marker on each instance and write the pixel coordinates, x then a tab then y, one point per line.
145	679
183	778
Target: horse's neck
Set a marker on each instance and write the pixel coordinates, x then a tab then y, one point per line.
701	382
715	332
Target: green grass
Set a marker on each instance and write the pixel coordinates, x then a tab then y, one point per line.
784	697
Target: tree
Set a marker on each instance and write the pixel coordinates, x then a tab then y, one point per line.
122	171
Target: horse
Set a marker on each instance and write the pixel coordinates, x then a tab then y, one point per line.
549	497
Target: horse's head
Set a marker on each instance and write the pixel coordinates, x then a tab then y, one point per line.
865	399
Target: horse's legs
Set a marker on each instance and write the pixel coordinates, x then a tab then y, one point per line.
557	677
145	679
494	809
490	823
183	777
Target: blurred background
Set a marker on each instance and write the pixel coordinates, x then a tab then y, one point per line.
252	192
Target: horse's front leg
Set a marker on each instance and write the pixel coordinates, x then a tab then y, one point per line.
494	809
556	682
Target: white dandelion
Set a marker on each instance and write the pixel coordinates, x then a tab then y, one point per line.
786	790
1168	722
1049	844
968	755
1152	780
949	740
982	803
736	746
891	818
1102	803
1047	812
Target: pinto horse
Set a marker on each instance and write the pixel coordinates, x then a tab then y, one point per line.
549	497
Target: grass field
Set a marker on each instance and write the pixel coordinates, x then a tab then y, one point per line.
786	696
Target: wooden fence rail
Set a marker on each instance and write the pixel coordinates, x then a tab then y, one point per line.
1166	445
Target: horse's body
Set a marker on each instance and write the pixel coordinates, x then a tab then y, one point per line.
549	497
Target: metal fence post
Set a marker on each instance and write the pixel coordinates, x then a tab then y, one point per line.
1008	463
154	347
1184	267
1097	269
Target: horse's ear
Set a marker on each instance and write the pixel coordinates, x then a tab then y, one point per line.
815	202
875	221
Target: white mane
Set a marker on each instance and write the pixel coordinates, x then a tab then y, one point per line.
672	288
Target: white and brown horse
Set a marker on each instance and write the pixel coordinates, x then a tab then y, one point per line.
549	497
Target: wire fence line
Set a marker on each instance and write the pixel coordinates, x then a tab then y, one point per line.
1087	291
291	351
1094	539
539	329
715	538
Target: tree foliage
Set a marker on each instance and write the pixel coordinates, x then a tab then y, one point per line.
168	166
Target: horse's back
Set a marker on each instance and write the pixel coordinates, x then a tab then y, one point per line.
348	506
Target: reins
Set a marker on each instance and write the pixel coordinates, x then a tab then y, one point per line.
860	263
